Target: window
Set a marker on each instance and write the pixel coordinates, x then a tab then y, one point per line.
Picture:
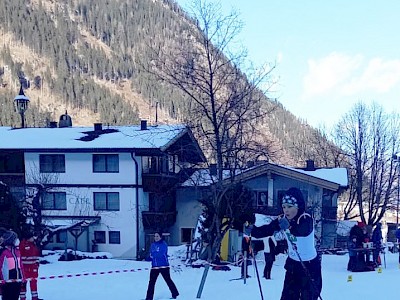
186	235
12	163
114	237
55	200
106	201
61	237
100	237
52	163
158	164
262	198
105	163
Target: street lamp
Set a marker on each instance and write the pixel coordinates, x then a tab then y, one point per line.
21	105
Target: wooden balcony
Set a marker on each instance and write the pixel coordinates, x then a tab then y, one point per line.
13	179
154	220
153	183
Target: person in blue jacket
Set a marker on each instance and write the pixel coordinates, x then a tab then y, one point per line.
160	265
303	279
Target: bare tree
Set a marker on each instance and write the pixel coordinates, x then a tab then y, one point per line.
32	207
226	106
369	138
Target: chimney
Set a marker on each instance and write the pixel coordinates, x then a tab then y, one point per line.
98	126
53	124
250	163
143	125
65	120
310	165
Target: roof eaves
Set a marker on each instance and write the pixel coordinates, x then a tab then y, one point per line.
292	173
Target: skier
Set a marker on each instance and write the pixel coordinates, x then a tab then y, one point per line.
303	279
30	261
246	252
269	255
11	268
160	265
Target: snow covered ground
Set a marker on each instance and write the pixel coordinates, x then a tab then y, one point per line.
133	284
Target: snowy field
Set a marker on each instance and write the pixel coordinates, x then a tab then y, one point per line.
132	285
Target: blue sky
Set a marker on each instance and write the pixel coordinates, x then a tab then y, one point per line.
329	54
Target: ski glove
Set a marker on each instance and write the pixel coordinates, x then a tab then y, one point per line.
284	223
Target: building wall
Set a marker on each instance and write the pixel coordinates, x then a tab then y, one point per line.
79	171
189	210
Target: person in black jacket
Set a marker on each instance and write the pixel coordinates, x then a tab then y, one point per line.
269	255
377	240
303	279
246	253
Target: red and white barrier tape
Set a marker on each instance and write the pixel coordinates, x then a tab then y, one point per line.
100	273
75	275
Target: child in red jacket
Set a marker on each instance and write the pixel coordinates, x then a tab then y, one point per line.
30	261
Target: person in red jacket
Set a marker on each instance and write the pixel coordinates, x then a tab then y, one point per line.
30	261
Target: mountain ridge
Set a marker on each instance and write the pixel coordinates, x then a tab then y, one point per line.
84	60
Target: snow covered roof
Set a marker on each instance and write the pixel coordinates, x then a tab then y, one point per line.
79	138
331	175
336	175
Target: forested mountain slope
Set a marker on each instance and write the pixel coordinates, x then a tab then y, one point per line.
83	56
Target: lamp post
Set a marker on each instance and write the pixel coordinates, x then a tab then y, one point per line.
21	105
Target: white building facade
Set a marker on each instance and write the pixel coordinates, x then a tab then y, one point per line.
94	178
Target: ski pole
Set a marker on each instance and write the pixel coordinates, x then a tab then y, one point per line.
258	276
244	266
301	262
384	256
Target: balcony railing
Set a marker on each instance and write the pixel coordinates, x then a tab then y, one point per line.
11	179
159	182
154	220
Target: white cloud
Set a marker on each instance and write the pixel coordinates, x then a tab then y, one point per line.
350	75
326	73
379	76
